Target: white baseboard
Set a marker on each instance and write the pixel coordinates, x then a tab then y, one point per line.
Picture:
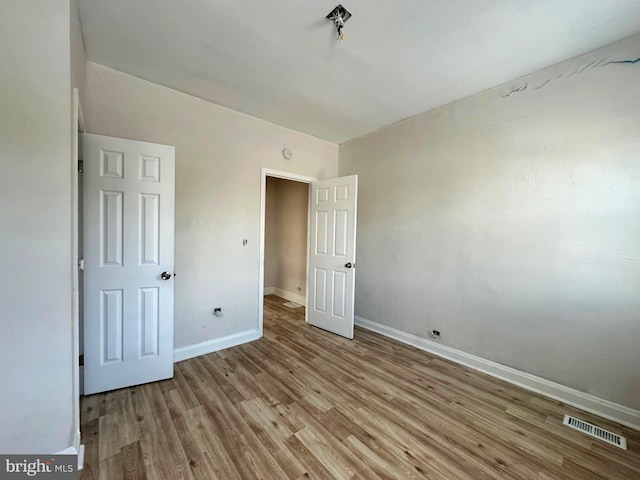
292	297
81	457
77	441
68	451
77	444
190	351
585	401
76	449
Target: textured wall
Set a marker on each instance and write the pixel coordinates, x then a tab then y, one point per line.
510	221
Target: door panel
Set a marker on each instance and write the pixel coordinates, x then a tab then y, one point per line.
111	325
333	253
128	243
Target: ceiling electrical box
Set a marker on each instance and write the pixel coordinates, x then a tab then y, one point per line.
339	17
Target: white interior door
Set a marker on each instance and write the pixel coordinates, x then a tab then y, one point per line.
332	254
128	262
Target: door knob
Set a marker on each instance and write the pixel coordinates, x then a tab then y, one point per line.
165	275
350	265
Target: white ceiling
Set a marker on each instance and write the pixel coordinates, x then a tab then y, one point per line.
279	59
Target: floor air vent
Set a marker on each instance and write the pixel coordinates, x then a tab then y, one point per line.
597	432
292	305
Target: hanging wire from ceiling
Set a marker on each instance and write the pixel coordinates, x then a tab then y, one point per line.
339	17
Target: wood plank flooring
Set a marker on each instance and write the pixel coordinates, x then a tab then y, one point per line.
303	403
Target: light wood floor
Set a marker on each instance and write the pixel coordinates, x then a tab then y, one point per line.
303	403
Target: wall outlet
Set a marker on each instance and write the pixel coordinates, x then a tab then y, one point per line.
218	312
435	334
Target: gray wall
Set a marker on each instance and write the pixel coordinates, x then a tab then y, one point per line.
219	156
78	57
36	407
270	234
510	221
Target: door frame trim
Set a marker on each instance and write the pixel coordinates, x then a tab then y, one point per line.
77	127
264	173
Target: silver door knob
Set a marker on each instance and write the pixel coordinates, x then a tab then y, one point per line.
165	275
350	265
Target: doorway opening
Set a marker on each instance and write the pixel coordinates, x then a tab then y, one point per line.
331	228
285	241
284	238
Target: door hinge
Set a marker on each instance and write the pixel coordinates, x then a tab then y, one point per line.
80	166
81	264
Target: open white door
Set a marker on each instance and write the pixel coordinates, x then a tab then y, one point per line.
332	254
128	262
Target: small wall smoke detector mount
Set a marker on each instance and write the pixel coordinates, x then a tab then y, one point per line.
339	17
286	153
